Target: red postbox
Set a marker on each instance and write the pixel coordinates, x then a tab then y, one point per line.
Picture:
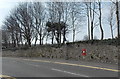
83	52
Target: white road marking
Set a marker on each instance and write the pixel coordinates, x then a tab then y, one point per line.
37	65
14	61
33	65
69	72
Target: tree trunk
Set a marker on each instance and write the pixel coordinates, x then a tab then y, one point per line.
117	16
52	36
88	23
35	41
111	30
64	38
91	30
40	39
40	34
92	19
100	21
73	34
29	42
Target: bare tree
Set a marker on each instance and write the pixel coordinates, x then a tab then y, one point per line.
111	19
59	9
75	15
100	20
24	18
93	12
88	19
118	18
39	15
65	17
5	38
12	27
52	18
92	16
58	14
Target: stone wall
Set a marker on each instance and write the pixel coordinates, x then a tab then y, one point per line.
96	53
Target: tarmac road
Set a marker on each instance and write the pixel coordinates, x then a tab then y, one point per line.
31	67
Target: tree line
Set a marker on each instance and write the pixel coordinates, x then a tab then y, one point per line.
33	22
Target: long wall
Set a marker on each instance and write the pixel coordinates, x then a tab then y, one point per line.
96	53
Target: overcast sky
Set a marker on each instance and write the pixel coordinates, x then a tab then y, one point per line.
7	5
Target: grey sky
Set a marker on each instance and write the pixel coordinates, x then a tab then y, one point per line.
6	6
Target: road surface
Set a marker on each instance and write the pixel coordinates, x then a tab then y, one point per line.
23	67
